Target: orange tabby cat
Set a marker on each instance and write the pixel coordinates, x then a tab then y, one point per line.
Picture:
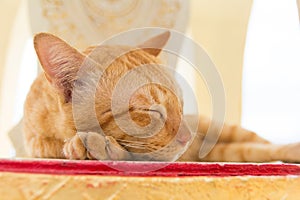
49	123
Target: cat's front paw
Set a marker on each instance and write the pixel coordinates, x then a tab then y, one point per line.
95	144
102	147
74	149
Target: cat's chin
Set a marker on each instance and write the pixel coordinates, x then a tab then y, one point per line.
169	153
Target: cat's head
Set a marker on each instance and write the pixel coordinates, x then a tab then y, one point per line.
132	96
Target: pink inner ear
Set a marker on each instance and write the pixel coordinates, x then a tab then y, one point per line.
44	45
44	57
56	55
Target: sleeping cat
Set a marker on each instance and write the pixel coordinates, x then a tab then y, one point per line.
51	131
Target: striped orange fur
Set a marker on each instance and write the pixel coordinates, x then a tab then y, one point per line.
51	132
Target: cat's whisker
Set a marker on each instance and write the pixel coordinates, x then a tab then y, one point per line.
129	141
137	145
133	146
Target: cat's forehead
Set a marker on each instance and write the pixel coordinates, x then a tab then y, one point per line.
102	53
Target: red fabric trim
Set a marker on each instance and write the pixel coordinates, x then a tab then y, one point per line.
66	167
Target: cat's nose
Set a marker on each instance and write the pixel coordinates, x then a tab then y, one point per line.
183	138
184	134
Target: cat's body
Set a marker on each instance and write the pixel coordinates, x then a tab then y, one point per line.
50	130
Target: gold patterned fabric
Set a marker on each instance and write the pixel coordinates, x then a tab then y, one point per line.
86	22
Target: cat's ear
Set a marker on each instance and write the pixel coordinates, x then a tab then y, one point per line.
155	44
60	62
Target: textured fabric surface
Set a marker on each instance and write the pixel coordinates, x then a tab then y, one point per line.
68	167
58	179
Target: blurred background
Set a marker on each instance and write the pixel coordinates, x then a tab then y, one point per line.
255	45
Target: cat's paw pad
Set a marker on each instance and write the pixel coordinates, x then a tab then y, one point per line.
74	149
